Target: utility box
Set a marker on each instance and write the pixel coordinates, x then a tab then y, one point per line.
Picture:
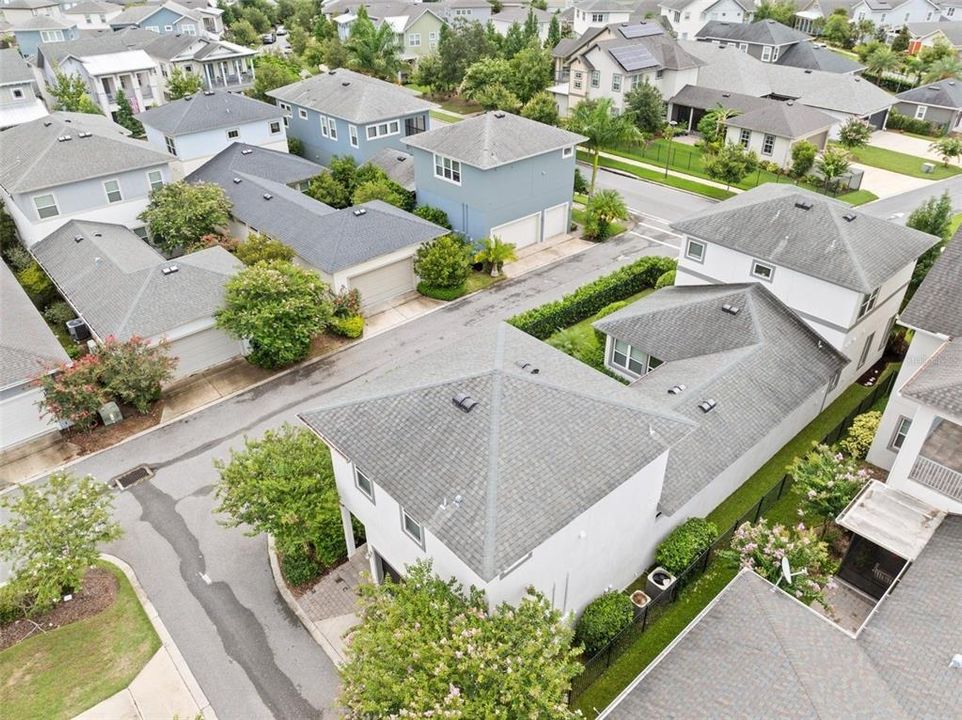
78	330
928	168
110	414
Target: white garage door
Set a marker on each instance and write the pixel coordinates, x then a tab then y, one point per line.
521	232
555	220
20	419
384	284
203	350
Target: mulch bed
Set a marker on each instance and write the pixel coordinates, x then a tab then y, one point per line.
103	437
98	593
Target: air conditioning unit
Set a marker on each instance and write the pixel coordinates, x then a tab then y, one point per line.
78	330
658	581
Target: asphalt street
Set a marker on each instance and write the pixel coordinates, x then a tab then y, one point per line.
212	585
898	207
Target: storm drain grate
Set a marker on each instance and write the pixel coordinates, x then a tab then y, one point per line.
132	477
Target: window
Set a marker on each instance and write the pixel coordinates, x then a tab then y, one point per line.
653	362
766	53
595	79
906	17
46	206
364	484
577	79
865	350
414	39
51	36
302	113
743	47
328	127
567	152
868	302
153	28
412	528
888	331
882	19
833	383
17	93
616	82
394	127
598	17
775	53
171	145
383	129
901	430
695	250
287	121
768	144
920	111
659	74
113	191
745	137
233	134
274	126
629	358
285	107
155	179
88	19
191	30
352	133
761	270
447	169
950	11
415	125
168	28
103	18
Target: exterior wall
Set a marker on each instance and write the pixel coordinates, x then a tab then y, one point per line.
583	20
341	279
92	21
687	22
17	16
143	88
501	27
29	40
781	152
488	198
481	13
164	18
944	117
912	11
8	100
197	148
20	419
425	27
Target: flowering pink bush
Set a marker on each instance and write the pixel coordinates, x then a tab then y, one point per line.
827	481
134	370
72	392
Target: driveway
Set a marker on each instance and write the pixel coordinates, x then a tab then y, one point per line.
212	586
904	144
898	207
886	183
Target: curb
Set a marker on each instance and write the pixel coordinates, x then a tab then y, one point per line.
193	687
296	608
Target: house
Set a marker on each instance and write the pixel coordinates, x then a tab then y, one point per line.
587	14
74	165
368	247
687	17
42	29
769	127
951	10
19	101
843	271
927	34
210	15
920	434
19	11
92	14
498	174
342	112
416	25
502	21
810	16
893	14
131	72
168	17
472	10
939	103
27	346
608	62
195	128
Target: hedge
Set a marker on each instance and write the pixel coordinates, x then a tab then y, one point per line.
587	300
603	618
861	434
441	293
350	327
685	543
897	121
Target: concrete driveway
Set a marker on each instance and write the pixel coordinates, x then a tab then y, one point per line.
886	183
904	144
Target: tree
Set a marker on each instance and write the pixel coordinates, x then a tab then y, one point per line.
803	158
494	254
731	163
460	45
242	32
134	370
425	647
258	248
942	69
601	210
880	61
782	11
832	164
443	262
326	189
180	213
482	75
514	40
52	535
381	189
554	33
373	50
125	116
429	73
283	484
529	72
854	133
70	94
826	482
595	120
497	97
542	108
434	215
72	392
947	147
837	29
271	73
180	84
864	28
900	43
646	106
934	217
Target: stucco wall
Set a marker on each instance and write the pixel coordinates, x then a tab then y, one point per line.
202	146
898	477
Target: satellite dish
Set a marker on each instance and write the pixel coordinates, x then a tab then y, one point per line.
786	570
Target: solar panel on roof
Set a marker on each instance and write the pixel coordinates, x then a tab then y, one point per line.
634	57
639	30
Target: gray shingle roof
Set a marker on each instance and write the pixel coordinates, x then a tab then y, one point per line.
937	304
92	7
745	5
537	450
938	383
493	139
43	22
763	32
207	111
29	4
98	43
806	56
759	366
944	93
520	15
757	653
952	30
13	68
32	158
26	343
259	162
785	119
397	164
859	254
113	280
352	96
706	98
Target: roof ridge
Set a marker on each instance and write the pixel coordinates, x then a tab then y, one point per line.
122	325
494	450
843	237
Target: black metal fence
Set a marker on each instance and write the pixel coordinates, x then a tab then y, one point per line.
645	617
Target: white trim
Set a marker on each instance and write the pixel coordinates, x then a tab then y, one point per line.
151	183
352	136
405	517
369	494
36	208
118	191
696	258
761	276
439	162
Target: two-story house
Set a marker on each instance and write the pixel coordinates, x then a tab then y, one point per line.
893	14
74	165
920	436
166	18
498	175
687	17
586	14
207	11
472	10
19	102
43	29
844	272
342	112
417	26
92	14
502	21
131	72
608	62
17	12
194	129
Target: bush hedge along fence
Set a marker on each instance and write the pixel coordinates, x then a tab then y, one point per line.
685	543
603	618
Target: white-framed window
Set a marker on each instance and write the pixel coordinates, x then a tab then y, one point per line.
659	74
743	47
17	93
866	349
882	19
352	134
48	36
112	188
171	145
901	430
432	37
766	53
695	250
888	331
285	107
152	28
630	359
447	169
328	127
768	144
950	11
46	206
274	127
616	82
567	152
363	483
383	129
595	79
191	30
414	39
745	137
155	179
762	270
287	121
233	133
920	111
302	113
868	302
412	528
578	77
775	53
599	17
103	18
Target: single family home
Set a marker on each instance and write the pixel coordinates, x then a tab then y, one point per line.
42	29
92	14
19	99
927	34
587	14
417	26
472	10
687	17
939	103
810	15
893	14
131	72
16	12
502	21
168	17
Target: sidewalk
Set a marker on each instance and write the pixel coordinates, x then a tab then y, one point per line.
674	173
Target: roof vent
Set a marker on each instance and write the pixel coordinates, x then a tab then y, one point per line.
951	82
707	405
63	138
78	238
726	94
208	93
464	402
808	72
401	158
731	309
188	98
345	83
360	211
858	79
237	181
267	196
170	270
803	204
246	151
498	114
790	103
676	389
330	72
849	217
956	661
529	368
47	123
97	234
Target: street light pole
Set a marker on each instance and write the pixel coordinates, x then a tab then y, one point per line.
670	131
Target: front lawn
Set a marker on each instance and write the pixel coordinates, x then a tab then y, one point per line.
578	215
857	197
674	181
954	225
63	672
902	163
479	281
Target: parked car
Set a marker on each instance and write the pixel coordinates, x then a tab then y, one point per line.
268	38
280	30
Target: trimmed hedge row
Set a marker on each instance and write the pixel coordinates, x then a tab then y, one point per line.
603	618
587	300
685	543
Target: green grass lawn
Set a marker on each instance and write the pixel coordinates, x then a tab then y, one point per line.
581	335
901	163
65	671
679	183
956	222
445	116
857	197
479	281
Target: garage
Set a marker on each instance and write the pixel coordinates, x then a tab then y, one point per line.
203	350
521	232
555	220
384	283
20	418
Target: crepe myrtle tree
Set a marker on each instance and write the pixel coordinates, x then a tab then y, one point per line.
180	214
826	481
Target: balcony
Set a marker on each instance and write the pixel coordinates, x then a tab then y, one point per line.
245	79
938	477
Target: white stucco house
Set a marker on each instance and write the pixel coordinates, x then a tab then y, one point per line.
586	14
19	98
687	17
131	72
894	14
92	14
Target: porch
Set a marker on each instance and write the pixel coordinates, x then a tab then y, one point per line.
939	462
236	73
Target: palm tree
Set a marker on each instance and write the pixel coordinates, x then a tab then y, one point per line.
864	28
881	60
494	254
915	66
943	68
601	210
373	50
596	120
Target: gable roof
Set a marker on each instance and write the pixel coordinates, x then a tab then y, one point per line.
943	93
29	4
137	14
759	366
352	96
537	450
492	139
13	68
807	56
26	343
831	240
32	157
520	15
207	110
937	304
763	32
951	30
938	383
259	162
92	7
114	280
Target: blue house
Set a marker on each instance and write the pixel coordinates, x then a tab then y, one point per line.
342	112
498	174
167	18
42	29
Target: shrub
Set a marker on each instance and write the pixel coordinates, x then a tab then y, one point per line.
37	285
605	312
685	544
350	327
346	302
295	146
441	293
262	248
825	481
134	370
180	214
72	393
59	313
601	211
587	300
897	121
18	257
443	262
227	242
298	567
434	215
665	280
605	617
860	435
580	184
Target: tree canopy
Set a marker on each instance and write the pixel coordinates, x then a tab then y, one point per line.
180	214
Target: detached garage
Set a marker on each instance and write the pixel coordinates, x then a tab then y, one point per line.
384	283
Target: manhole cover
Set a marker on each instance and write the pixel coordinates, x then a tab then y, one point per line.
132	477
